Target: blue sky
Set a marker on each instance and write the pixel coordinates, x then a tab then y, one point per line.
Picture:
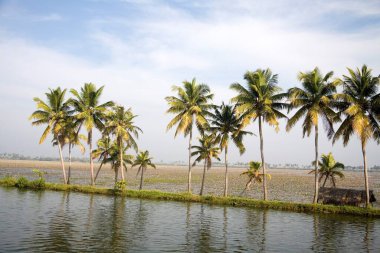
139	49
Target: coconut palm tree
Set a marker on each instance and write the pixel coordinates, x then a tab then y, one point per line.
314	101
192	105
143	161
329	169
254	175
90	113
102	152
113	158
120	124
69	134
261	101
206	151
361	106
227	125
52	113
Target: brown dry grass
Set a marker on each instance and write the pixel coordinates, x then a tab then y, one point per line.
286	184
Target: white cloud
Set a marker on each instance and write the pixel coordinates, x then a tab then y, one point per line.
171	46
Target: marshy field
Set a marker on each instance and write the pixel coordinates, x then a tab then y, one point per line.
286	184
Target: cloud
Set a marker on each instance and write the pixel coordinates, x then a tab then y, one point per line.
213	41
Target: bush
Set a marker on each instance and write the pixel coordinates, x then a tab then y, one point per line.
120	186
22	182
37	184
8	181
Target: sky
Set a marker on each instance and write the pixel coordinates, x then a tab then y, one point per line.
140	49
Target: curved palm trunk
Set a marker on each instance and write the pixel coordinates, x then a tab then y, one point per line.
121	159
62	163
142	177
246	187
91	161
262	159
189	174
365	174
69	174
316	185
203	178
324	182
225	173
97	173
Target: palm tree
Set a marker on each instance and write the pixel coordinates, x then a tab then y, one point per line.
144	161
90	113
329	169
361	106
254	175
52	112
190	106
69	134
206	151
260	101
227	126
315	100
113	158
103	152
120	124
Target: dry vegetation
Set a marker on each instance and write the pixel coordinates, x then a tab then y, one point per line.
286	184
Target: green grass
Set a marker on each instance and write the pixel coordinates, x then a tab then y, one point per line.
208	199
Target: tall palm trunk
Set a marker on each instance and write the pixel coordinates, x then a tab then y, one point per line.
225	173
121	159
189	175
203	178
62	163
69	174
262	159
91	161
116	174
142	177
365	174
316	186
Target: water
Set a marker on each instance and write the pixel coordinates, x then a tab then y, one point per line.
73	222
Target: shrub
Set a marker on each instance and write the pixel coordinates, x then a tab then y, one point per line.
120	186
8	181
22	182
39	173
37	184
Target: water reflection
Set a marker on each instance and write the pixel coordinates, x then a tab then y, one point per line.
72	222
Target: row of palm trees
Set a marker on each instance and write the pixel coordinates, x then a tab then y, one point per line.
357	107
66	118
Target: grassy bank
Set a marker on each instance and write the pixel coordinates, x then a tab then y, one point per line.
186	197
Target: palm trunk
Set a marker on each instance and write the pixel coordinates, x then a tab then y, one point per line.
189	175
121	159
142	177
91	161
365	174
262	159
69	174
116	174
225	173
324	182
246	187
203	178
316	186
62	163
97	173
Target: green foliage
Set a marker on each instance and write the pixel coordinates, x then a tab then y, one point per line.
39	173
191	105
22	182
120	186
37	184
8	181
228	201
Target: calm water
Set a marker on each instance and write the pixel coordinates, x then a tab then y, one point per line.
73	222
